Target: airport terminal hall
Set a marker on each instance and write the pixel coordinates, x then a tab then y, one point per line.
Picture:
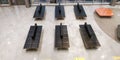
59	29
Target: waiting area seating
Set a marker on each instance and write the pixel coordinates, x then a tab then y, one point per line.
61	37
59	12
39	12
33	38
79	11
89	38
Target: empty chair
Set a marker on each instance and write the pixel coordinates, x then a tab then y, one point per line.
33	38
118	32
61	37
79	11
59	12
88	36
39	12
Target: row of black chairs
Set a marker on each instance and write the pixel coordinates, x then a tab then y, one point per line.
61	37
61	33
60	12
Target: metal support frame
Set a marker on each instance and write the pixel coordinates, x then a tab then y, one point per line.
113	2
27	3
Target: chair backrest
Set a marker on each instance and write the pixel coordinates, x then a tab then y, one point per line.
34	33
40	9
78	6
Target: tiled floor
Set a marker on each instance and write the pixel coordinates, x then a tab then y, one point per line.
14	26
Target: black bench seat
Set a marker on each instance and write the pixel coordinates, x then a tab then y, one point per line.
39	12
79	11
89	38
118	32
33	38
59	12
61	37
